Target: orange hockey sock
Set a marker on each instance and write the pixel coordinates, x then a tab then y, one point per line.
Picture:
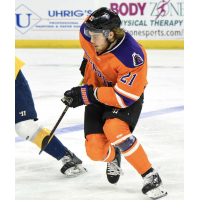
118	132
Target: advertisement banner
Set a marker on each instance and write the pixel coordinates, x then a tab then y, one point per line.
152	19
49	20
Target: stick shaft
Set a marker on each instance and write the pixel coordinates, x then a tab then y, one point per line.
81	83
53	130
59	120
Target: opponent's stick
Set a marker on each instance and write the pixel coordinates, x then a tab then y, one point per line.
45	142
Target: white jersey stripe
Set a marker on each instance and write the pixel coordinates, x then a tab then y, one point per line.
132	96
132	150
116	46
121	139
120	101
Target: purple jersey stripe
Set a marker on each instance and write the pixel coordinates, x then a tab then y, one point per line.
129	53
126	100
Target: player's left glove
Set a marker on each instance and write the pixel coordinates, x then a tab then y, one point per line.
83	95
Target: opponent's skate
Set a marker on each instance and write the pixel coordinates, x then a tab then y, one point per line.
153	186
72	165
113	170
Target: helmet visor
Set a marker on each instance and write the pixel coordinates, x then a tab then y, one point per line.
91	32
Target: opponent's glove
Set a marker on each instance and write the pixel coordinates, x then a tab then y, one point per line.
83	66
83	95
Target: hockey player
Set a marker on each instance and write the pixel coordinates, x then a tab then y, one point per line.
28	128
115	70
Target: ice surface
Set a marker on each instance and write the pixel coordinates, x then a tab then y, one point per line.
50	72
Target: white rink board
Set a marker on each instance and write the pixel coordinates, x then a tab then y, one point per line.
61	20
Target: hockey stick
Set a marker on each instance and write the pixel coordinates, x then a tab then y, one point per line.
45	142
81	83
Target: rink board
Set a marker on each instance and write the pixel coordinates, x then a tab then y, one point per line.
148	44
47	24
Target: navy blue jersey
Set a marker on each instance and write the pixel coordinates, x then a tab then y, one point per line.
24	105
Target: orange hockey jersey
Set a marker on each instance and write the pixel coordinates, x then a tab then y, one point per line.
120	73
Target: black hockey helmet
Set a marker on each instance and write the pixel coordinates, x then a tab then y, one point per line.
102	21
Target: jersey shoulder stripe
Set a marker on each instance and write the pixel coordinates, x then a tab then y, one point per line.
129	52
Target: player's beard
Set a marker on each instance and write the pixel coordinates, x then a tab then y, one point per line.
97	49
101	48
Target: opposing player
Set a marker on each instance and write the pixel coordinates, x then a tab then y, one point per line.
115	71
28	128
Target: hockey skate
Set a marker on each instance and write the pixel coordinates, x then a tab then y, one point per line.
153	186
113	170
72	165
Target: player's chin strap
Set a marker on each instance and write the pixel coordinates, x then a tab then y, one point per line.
109	43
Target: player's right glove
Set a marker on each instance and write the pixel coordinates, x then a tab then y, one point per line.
83	95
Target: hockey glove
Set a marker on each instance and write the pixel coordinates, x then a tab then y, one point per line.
83	95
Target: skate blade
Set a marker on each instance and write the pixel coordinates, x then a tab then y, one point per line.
75	171
157	193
